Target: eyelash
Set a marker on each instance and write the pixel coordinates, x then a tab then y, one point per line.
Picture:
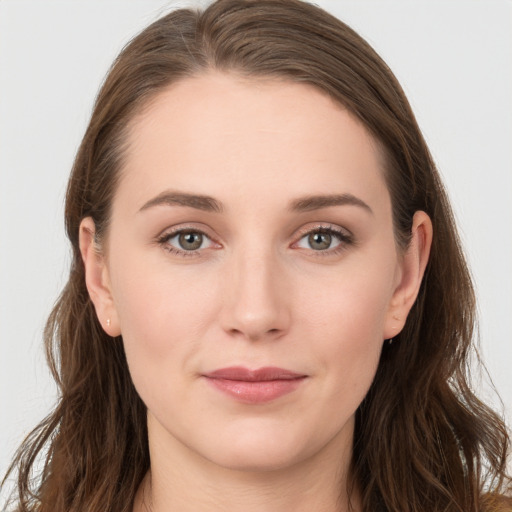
344	238
163	241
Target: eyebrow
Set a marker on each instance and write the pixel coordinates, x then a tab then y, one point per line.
316	202
210	204
171	198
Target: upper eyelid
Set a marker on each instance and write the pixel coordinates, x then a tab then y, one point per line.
172	231
300	231
326	227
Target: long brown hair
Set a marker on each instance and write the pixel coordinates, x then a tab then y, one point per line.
423	441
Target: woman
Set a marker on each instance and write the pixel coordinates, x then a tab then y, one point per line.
268	308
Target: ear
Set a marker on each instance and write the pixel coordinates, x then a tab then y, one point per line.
411	271
97	278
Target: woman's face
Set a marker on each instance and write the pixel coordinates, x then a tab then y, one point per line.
251	229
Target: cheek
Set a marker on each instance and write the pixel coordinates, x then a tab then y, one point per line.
349	306
163	319
162	312
350	344
347	322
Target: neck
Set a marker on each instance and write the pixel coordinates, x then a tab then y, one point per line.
181	480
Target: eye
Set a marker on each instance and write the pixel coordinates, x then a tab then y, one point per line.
185	241
320	241
189	240
324	240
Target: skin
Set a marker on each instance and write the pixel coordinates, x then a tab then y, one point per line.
259	291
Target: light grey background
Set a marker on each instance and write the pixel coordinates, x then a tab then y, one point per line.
453	59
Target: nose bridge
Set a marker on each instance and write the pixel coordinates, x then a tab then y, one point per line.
255	303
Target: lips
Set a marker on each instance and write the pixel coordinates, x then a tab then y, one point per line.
261	374
255	386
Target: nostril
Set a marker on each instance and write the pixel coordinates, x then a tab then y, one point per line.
255	334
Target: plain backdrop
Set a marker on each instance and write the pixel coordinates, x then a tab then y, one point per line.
453	58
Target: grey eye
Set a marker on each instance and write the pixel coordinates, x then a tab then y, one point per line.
322	240
319	241
190	240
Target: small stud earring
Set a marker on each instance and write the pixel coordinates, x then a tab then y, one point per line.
390	341
108	322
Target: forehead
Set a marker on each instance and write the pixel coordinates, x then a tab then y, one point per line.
219	134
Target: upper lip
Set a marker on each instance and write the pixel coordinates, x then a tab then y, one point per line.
259	374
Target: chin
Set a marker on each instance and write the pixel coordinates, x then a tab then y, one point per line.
263	451
256	461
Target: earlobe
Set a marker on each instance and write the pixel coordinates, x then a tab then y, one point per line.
412	269
97	278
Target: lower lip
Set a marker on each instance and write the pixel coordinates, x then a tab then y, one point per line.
256	392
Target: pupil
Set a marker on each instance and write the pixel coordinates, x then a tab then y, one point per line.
190	241
319	241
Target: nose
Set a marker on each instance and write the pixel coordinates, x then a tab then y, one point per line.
256	299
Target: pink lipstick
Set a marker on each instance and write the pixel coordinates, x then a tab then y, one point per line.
255	386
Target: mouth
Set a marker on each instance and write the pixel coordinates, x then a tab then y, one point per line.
255	386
